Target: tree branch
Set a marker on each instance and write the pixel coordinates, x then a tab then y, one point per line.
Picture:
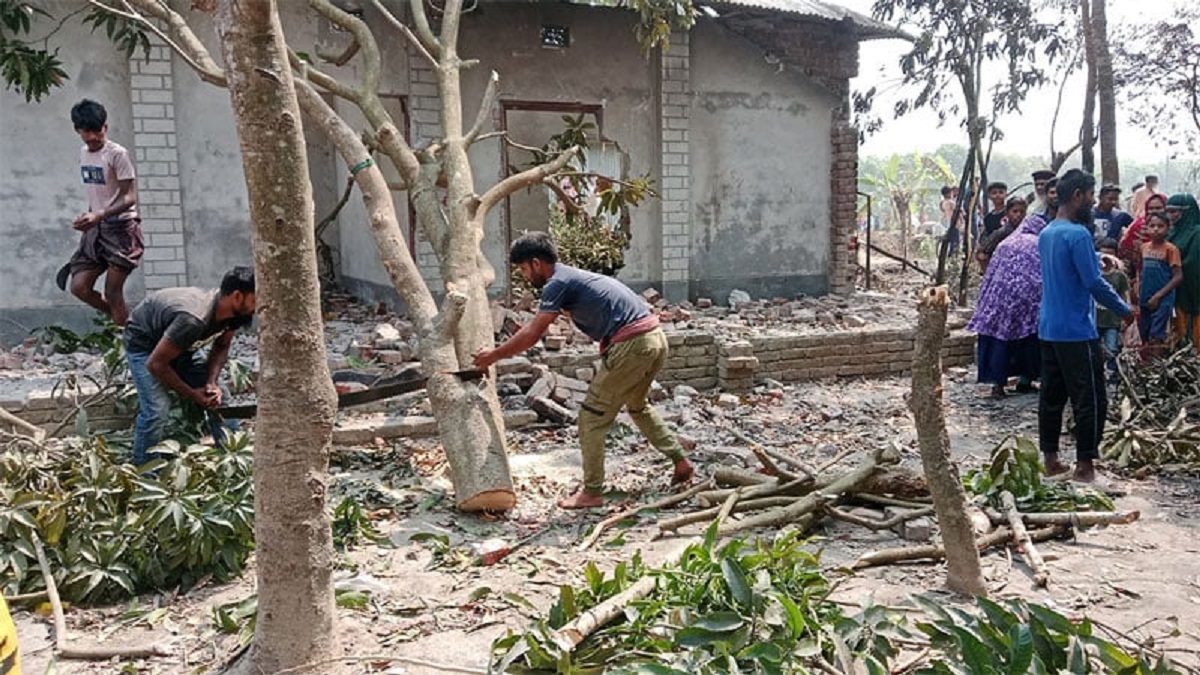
485	109
362	34
452	312
424	32
339	59
192	50
406	31
524	179
310	73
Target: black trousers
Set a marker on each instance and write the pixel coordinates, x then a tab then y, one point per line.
1072	371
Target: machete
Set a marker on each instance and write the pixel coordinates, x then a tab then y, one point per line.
383	388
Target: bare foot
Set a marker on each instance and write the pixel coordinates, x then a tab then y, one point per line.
1055	467
581	500
683	472
1085	472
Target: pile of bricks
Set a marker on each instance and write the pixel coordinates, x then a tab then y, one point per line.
736	365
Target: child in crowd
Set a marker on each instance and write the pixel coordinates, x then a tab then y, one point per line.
1108	325
1162	273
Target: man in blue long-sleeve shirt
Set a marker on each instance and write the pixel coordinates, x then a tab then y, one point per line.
1072	358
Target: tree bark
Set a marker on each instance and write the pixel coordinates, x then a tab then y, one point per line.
1087	129
296	399
1110	167
949	498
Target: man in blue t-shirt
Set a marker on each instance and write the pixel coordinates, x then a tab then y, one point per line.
1108	220
632	348
1072	358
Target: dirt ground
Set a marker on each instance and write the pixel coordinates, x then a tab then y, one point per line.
1139	578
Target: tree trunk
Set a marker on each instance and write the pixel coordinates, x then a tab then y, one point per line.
904	213
296	400
1110	168
1087	129
949	499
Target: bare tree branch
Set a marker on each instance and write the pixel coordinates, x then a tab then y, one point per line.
566	200
310	73
485	109
423	30
524	179
338	59
406	31
192	50
362	35
451	14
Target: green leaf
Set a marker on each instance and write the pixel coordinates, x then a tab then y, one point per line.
353	599
718	622
1020	655
735	578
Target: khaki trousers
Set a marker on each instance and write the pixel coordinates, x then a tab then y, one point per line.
626	372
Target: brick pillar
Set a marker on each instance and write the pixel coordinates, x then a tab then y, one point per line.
425	107
675	116
843	263
151	89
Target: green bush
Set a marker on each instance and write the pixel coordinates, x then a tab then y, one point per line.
111	532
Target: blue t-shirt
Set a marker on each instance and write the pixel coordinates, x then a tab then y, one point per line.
1109	224
1070	280
598	305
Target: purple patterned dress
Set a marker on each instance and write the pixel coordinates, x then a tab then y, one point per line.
1006	315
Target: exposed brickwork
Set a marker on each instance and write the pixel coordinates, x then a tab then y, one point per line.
156	159
676	175
426	127
48	412
702	361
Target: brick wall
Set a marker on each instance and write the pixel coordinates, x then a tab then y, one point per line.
156	160
828	54
425	107
49	411
701	360
674	121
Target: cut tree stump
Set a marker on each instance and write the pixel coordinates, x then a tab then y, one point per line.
964	574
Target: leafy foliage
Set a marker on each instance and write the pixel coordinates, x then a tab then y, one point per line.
352	527
764	608
111	531
1015	467
31	71
1156	67
1021	637
745	607
129	36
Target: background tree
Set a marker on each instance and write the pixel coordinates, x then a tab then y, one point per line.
295	395
904	182
1157	69
945	68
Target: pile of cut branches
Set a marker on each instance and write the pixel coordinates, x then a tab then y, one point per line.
1158	419
1015	503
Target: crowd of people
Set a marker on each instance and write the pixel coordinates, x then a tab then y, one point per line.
1070	279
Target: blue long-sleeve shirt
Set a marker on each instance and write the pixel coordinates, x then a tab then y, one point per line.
1070	280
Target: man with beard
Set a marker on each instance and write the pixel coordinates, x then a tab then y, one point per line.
164	333
632	348
1072	357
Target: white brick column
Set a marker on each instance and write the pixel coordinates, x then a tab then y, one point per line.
151	89
676	168
425	113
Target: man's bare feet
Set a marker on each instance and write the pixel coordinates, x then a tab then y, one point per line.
581	500
683	472
1054	467
1085	472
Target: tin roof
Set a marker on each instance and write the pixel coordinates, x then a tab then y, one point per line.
865	27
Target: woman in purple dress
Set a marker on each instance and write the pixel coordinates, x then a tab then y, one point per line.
1006	315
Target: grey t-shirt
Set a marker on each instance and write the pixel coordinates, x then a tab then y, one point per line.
185	316
599	305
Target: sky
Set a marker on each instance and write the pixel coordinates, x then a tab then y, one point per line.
879	66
